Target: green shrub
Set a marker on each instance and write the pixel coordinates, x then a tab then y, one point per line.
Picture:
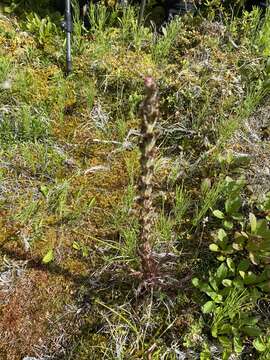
242	245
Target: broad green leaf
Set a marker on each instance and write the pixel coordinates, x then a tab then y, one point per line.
255	295
8	9
215	296
237	216
218	214
242	274
253	223
228	224
231	264
259	345
221	272
214	331
225	329
48	257
252	330
243	265
238	283
265	286
250	278
262	229
237	247
214	247
195	282
213	282
266	84
222	235
232	205
205	354
226	342
266	203
265	275
240	237
206	288
238	345
254	258
247	320
208	307
267	66
227	282
228	250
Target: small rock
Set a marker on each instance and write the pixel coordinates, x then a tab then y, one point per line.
97	168
6	85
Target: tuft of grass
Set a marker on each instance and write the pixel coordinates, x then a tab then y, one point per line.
181	204
5	70
129	246
57	197
24	126
208	201
164	43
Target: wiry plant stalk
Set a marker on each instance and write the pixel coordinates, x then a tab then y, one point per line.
149	111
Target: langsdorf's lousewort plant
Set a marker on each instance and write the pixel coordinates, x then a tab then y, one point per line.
149	112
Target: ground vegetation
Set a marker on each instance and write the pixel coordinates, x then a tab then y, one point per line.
74	279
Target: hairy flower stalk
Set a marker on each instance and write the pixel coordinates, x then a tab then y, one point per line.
149	111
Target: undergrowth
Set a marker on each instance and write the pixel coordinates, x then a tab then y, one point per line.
70	163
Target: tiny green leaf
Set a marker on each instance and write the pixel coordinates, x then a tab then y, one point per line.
218	214
44	190
48	257
195	282
85	251
76	245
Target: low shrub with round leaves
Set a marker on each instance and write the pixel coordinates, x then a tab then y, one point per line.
243	275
